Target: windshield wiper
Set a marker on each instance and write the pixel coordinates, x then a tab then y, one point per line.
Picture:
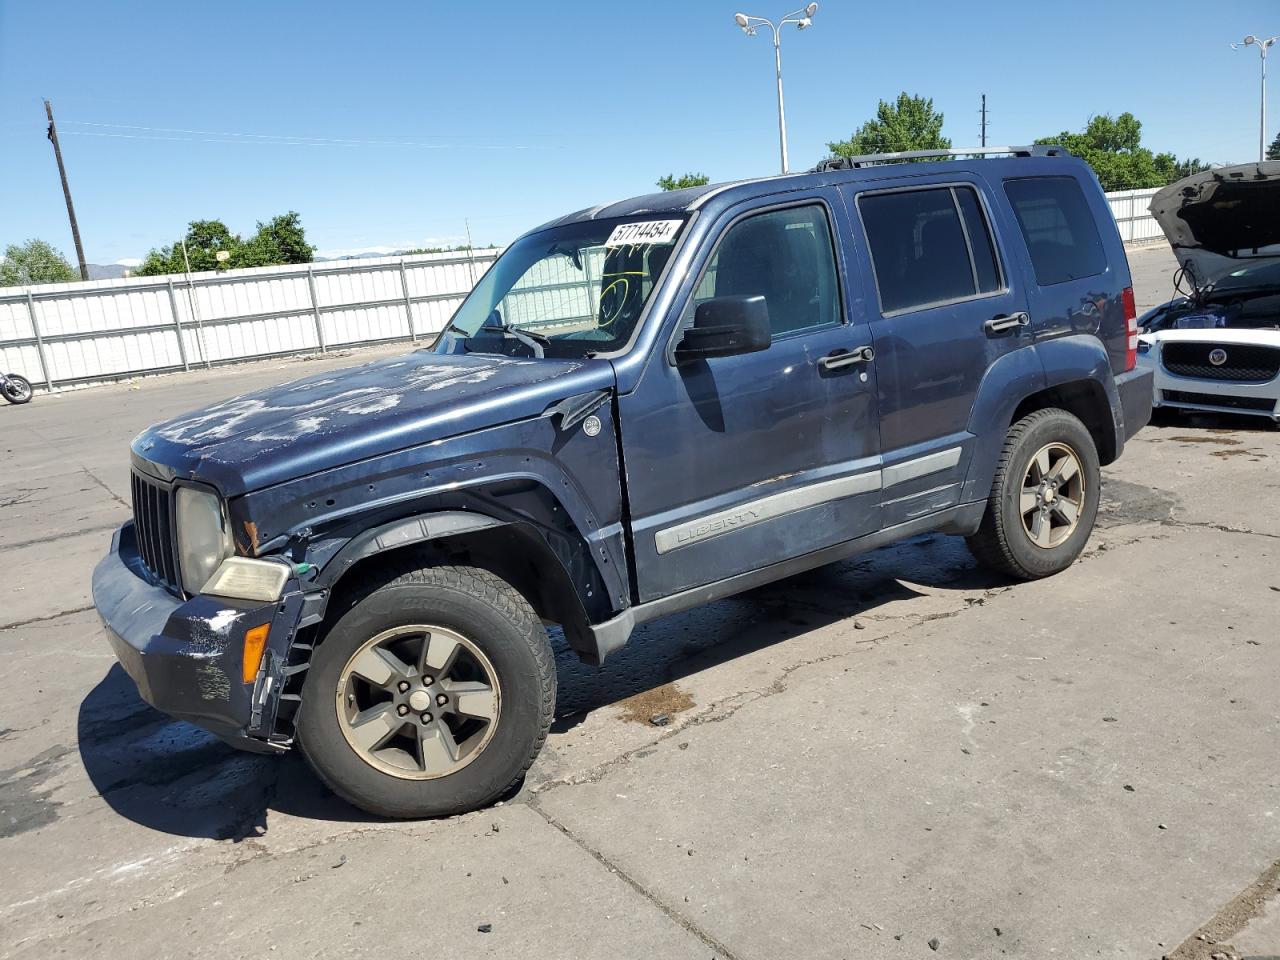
534	341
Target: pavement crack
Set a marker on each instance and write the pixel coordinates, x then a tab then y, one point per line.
46	618
111	493
673	915
22	497
1220	527
53	538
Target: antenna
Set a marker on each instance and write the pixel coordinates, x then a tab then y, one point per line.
984	120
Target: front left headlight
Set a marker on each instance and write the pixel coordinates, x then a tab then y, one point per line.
204	539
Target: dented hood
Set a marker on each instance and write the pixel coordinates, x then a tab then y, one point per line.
280	433
1217	220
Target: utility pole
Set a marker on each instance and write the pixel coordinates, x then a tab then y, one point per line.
984	120
66	191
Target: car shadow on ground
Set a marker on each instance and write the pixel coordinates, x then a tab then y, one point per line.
175	778
670	649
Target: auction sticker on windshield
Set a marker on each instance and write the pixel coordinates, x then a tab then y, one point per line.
647	231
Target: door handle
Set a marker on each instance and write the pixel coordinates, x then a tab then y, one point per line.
837	359
1012	321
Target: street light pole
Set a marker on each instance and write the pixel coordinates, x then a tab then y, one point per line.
782	107
1263	46
802	19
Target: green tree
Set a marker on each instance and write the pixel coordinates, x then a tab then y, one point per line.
909	123
1273	151
34	262
1112	146
671	182
204	239
280	240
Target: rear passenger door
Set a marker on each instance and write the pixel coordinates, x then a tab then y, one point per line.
946	306
1078	286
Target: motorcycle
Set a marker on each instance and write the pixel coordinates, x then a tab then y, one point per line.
16	389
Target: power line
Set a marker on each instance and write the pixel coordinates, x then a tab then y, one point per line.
290	138
305	143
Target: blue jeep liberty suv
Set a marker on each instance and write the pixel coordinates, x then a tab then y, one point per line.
640	407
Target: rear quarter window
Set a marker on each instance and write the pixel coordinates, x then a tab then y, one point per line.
1059	228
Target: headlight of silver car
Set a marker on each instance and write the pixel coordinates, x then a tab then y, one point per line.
203	538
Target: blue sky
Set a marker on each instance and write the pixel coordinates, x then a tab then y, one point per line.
389	124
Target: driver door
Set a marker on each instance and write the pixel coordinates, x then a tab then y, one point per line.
739	462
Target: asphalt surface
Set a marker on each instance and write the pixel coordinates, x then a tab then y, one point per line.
897	756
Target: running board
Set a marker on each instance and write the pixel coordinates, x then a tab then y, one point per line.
612	635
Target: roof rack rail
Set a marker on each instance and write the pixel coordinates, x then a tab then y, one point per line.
872	159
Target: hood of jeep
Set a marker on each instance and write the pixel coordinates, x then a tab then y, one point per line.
280	433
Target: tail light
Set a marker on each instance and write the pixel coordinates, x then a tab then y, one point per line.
1130	328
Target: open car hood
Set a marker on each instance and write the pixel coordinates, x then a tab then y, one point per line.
1217	220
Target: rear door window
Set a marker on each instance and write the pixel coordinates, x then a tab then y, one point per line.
1059	228
929	246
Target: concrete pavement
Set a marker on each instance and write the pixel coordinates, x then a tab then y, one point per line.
896	751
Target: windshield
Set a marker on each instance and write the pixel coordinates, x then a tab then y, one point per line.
568	291
1254	276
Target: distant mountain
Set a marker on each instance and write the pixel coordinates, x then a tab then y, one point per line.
106	271
360	256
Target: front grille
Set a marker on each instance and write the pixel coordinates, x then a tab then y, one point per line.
1213	400
1245	363
153	521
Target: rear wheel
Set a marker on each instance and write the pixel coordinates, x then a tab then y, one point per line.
1044	497
430	696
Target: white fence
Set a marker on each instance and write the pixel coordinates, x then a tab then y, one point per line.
63	334
1129	207
66	334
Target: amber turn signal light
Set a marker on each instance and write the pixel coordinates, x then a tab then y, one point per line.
255	642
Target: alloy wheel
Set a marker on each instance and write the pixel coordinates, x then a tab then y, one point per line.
418	702
1052	495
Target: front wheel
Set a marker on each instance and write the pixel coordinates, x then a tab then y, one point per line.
1044	497
16	389
430	696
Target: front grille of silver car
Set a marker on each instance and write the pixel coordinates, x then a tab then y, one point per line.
1244	363
1260	404
153	523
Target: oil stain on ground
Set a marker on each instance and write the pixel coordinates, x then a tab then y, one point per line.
1224	441
1257	454
667	699
1124	502
23	805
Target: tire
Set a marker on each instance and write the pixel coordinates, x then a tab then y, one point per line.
1004	541
17	390
496	636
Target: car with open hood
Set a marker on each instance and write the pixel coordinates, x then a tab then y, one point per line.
640	408
1216	348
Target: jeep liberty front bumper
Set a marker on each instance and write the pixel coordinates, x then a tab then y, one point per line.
187	656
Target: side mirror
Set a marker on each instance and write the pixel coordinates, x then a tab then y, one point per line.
726	327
